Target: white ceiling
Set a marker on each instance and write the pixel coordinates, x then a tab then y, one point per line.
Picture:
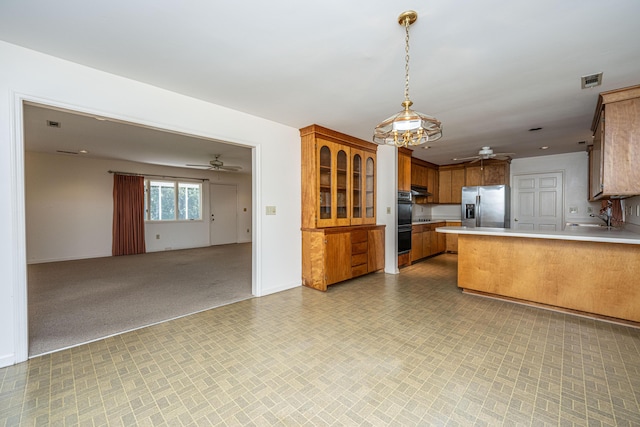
488	69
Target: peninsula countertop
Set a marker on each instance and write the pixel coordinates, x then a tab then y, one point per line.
586	234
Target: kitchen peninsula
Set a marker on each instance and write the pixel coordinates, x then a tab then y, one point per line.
585	270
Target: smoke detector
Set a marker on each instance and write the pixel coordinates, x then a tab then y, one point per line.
591	80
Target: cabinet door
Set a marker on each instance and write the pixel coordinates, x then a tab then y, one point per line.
494	174
337	257
473	176
404	172
334	198
416	243
357	187
369	188
444	187
426	243
457	182
376	249
432	185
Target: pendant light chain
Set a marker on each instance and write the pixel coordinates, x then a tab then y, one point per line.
406	58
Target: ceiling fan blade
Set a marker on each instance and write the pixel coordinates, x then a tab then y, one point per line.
199	166
229	168
467	158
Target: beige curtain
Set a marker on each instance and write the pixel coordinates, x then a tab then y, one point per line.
128	215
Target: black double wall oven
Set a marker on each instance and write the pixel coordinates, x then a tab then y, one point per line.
404	222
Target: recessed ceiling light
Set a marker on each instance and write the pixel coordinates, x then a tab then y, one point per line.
534	129
83	152
544	147
426	147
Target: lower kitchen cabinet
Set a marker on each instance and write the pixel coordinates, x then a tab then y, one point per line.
426	241
332	255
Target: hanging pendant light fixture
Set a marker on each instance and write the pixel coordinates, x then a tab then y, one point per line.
408	127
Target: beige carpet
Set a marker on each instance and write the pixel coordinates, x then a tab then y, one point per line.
74	302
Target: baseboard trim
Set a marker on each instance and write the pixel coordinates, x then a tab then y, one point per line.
578	313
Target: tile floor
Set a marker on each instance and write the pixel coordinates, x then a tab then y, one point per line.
380	350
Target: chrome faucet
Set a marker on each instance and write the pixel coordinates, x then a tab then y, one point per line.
605	214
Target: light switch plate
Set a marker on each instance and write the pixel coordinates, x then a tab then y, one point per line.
270	210
573	210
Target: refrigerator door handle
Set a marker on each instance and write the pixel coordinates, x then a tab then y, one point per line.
478	211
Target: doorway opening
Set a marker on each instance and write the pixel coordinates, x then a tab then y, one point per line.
68	208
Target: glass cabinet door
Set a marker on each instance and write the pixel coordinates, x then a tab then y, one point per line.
370	185
356	184
342	187
325	182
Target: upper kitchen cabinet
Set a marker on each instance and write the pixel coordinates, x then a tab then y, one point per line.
338	179
425	174
451	181
487	172
404	169
615	154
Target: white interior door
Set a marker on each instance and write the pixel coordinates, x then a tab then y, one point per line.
223	214
537	202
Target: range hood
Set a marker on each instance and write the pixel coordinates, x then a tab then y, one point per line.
418	191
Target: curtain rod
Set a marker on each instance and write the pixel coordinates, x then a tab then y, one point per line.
158	176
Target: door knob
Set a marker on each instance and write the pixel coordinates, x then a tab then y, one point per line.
516	220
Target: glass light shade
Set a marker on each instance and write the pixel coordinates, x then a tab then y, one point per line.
408	128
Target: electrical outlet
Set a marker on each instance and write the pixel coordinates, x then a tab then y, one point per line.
573	210
157	237
388	210
589	210
270	210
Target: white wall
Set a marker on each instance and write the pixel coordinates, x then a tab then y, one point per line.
576	180
29	75
386	204
69	206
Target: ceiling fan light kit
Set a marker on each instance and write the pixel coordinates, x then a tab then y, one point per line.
408	127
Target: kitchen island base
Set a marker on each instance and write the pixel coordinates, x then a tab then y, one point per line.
586	277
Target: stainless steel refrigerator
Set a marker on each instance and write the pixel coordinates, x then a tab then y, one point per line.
486	206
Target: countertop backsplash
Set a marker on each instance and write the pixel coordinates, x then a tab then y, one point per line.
435	212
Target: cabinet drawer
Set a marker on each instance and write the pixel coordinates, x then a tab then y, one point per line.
359	236
359	270
358	248
359	259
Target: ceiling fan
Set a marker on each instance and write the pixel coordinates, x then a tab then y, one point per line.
218	165
486	153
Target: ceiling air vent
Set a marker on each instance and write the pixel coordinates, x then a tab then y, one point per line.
53	124
591	80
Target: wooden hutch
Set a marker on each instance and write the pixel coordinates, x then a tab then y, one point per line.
340	238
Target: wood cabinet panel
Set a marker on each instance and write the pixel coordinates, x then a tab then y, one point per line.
451	239
376	249
404	170
337	257
444	189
